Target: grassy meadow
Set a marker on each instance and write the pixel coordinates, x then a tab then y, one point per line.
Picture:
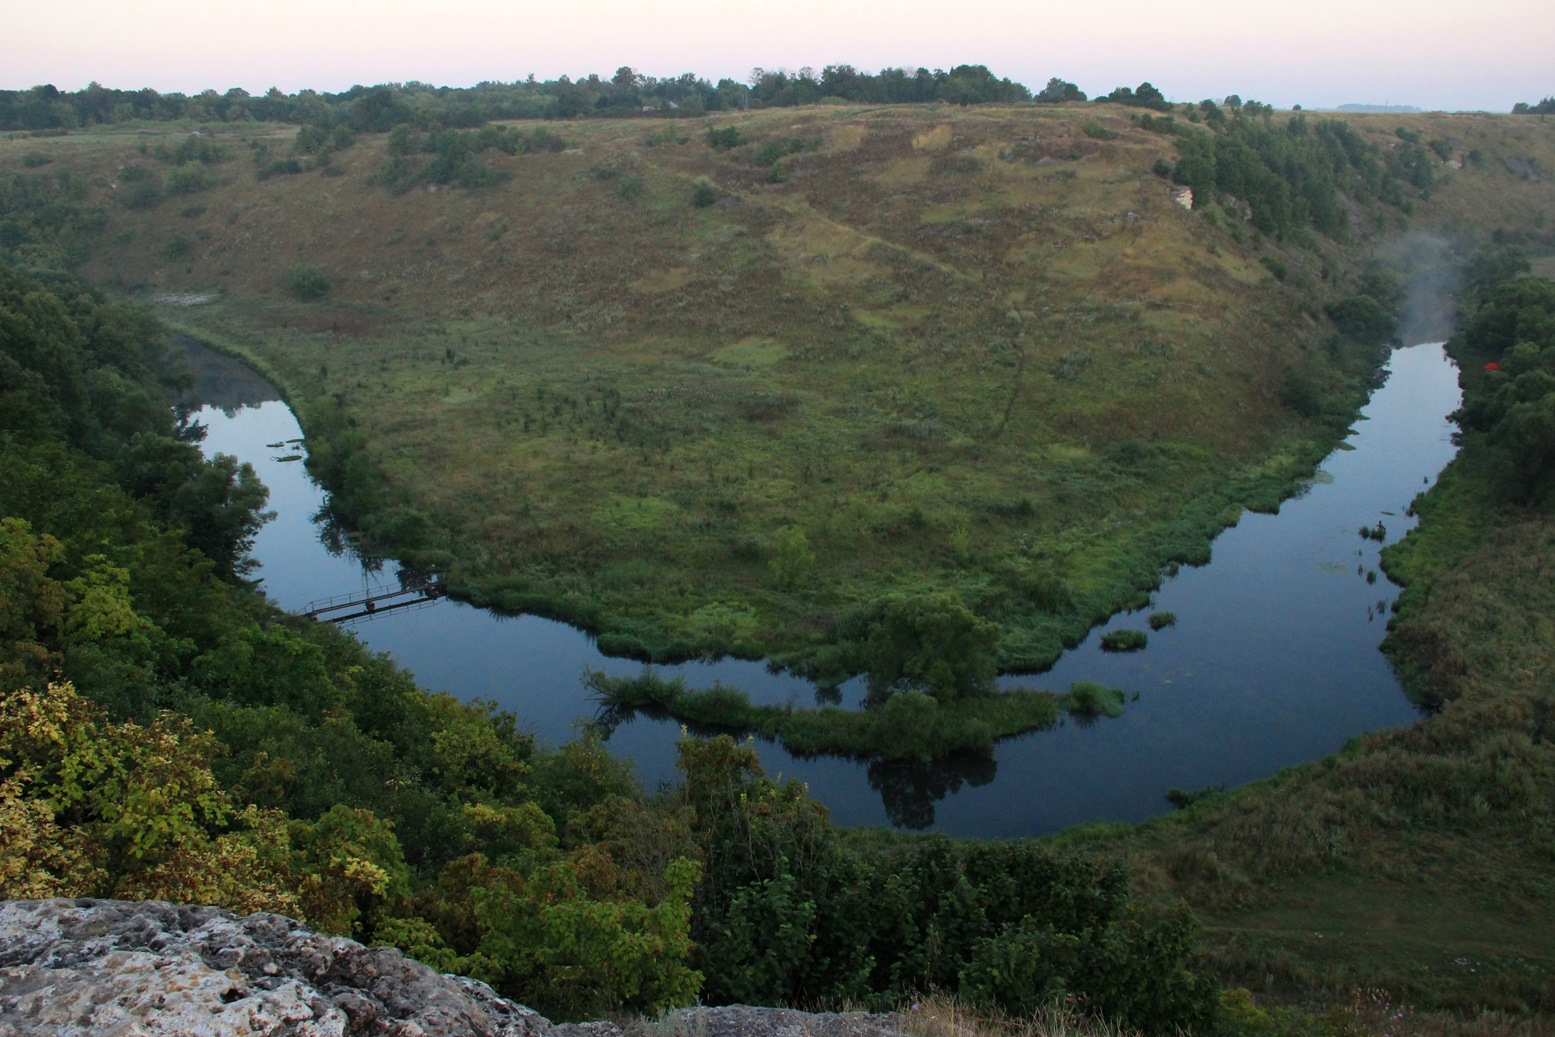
976	350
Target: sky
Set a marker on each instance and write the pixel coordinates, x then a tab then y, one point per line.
1436	54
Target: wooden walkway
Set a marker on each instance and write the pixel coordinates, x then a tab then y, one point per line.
368	604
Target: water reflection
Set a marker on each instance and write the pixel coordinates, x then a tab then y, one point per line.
909	789
1273	659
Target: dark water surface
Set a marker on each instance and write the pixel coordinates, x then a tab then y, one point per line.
1273	660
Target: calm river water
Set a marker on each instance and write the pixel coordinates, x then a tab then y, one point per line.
1273	660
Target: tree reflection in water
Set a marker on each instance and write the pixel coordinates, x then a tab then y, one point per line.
910	788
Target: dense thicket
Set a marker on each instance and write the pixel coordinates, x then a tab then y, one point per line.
379	108
1507	351
1287	177
164	732
1544	107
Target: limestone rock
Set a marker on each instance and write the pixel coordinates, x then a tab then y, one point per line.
80	967
73	968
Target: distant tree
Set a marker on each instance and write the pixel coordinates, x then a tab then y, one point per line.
1147	96
1058	91
931	641
1492	264
379	111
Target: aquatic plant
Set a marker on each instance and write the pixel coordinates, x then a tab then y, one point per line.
1124	641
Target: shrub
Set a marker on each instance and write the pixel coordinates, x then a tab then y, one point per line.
794	559
703	194
1362	319
1088	699
307	283
1162	620
279	167
1097	131
1124	641
186	179
722	138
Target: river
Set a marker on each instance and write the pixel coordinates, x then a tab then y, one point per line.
1273	660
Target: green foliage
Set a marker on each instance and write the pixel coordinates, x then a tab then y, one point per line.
1143	96
186	179
1362	318
544	938
1058	91
793	561
788	913
280	167
1162	620
1124	641
703	194
306	283
1087	699
1491	264
92	808
930	641
1292	176
723	138
907	725
330	787
41	215
1508	346
1544	107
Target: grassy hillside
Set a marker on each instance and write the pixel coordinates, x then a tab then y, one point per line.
967	350
901	351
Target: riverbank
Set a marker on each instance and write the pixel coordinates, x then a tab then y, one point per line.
1031	383
1272	659
1415	861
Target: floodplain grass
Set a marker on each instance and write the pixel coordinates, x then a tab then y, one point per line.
1027	370
854	433
1414	861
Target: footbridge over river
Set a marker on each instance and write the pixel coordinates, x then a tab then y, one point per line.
343	608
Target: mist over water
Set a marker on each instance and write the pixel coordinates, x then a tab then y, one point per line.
1273	660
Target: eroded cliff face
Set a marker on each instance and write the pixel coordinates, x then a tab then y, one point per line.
71	968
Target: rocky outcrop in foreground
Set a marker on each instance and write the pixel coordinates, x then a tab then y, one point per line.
79	967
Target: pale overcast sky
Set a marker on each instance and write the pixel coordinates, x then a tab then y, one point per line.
1450	54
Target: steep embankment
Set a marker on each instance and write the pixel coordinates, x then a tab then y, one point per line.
720	392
